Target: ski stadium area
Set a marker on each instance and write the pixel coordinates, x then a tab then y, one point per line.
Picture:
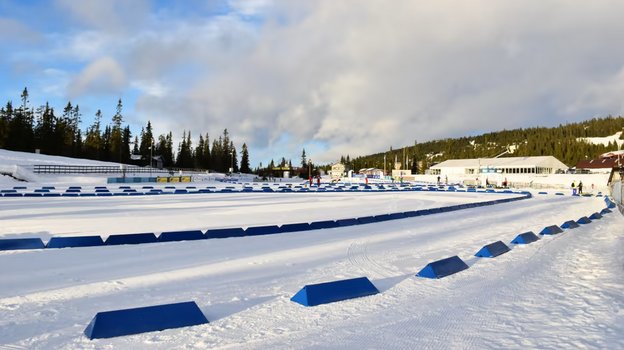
263	265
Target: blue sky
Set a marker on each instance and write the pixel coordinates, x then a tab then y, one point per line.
336	77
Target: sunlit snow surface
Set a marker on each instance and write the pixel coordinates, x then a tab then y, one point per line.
563	291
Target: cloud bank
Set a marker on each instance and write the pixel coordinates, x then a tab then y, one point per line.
354	77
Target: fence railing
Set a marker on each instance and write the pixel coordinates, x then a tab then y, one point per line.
90	169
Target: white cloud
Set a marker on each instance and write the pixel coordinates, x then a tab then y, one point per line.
14	31
357	76
116	16
102	76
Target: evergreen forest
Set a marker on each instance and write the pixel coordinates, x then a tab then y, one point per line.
563	142
26	128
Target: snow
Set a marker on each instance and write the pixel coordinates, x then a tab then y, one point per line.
615	138
563	291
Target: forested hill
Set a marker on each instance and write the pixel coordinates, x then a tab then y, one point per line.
561	141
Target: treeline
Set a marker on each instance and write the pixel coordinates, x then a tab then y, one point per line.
561	142
24	128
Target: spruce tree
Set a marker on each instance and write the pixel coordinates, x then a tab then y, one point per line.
244	168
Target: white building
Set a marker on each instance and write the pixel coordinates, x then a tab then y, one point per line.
507	165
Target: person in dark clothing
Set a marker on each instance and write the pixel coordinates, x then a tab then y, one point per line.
580	188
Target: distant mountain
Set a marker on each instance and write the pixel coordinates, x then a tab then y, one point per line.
569	143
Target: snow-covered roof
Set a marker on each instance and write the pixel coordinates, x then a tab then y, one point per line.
506	162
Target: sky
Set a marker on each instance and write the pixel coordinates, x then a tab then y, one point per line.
334	77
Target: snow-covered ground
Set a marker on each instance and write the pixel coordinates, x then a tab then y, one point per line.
562	292
615	138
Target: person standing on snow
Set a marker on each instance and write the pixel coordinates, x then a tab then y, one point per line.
580	188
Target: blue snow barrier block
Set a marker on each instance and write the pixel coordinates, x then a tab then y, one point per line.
33	195
570	224
367	220
542	192
323	224
443	268
304	226
78	241
525	238
70	194
559	194
605	211
329	292
72	190
262	230
109	324
583	220
19	187
551	230
493	250
595	216
12	194
131	238
52	194
413	213
176	236
225	232
347	222
43	190
387	217
21	243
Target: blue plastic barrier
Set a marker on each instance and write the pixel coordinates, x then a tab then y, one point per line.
72	242
323	224
33	195
443	268
262	230
551	230
367	220
595	216
583	220
525	238
329	292
176	236
570	224
493	250
132	238
413	213
605	211
304	226
21	243
52	194
117	323
542	192
347	222
225	232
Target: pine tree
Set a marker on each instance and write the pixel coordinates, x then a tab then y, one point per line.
6	114
93	139
234	158
116	143
244	168
147	142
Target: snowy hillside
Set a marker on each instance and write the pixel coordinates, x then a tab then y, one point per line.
25	158
614	139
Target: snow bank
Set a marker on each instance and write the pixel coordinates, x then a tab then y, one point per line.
604	140
18	172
